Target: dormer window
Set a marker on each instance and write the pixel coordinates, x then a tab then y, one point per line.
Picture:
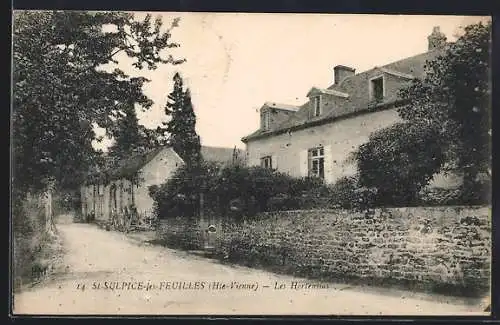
320	99
316	106
377	89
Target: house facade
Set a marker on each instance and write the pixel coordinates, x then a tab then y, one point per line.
128	185
319	137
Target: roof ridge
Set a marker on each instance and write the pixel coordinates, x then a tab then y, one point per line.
332	86
333	92
221	147
409	57
286	107
396	72
140	158
277	103
147	152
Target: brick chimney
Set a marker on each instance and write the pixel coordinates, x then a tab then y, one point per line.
436	39
340	72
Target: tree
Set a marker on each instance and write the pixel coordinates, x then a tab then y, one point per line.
399	161
450	106
60	89
455	97
127	137
181	126
153	138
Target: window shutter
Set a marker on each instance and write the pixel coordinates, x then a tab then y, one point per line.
328	164
274	161
303	167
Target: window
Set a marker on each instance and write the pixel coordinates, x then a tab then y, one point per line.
377	89
317	106
317	162
266	120
266	162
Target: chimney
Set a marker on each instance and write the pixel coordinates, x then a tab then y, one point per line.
340	72
436	39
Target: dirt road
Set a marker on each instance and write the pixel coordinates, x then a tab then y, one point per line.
110	273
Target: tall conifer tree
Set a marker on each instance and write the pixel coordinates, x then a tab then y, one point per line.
182	125
127	136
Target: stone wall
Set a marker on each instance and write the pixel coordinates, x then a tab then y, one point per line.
436	248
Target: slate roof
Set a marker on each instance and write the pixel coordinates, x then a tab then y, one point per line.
281	106
333	92
219	154
353	93
129	167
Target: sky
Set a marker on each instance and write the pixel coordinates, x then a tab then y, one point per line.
237	61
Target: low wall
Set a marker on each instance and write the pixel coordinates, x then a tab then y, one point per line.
436	248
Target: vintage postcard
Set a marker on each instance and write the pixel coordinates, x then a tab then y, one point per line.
176	163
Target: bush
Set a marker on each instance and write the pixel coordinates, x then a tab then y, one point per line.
399	161
300	193
280	202
343	193
478	195
439	196
307	185
236	191
179	196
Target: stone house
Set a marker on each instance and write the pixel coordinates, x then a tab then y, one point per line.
318	137
128	185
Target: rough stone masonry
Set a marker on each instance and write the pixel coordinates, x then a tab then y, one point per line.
444	248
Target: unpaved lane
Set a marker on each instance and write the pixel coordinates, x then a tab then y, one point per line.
95	258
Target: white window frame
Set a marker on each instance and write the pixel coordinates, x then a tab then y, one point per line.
316	155
316	105
266	162
371	88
